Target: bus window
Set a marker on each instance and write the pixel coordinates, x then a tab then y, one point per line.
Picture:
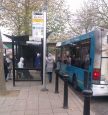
58	54
76	55
63	55
72	54
80	54
85	54
66	55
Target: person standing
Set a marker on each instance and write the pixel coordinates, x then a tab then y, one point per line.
49	66
21	63
9	64
20	73
58	63
6	71
38	62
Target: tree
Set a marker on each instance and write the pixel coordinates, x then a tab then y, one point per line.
102	12
84	19
2	79
57	20
17	14
93	13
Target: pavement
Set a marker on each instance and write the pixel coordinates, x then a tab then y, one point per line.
27	98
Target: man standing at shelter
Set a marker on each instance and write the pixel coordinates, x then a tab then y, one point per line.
49	66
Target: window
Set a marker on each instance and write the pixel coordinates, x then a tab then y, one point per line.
76	55
85	54
58	53
80	54
66	55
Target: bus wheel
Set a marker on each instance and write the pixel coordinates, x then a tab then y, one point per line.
74	83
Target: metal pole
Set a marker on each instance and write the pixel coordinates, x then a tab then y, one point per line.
101	47
13	58
56	82
87	96
87	93
42	60
44	54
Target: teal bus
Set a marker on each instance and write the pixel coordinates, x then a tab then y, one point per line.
86	53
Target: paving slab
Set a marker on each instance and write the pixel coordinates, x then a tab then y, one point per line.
26	98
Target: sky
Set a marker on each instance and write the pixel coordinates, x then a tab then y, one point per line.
5	31
72	4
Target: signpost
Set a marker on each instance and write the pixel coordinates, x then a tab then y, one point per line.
37	26
38	33
44	53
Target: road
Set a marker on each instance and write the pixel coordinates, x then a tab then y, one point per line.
98	104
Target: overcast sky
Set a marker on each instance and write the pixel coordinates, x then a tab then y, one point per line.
74	4
5	31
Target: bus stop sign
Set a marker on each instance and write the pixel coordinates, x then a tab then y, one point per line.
37	26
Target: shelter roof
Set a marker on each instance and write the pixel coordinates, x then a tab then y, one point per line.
18	38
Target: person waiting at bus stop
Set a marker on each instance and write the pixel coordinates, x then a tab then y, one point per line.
58	63
21	65
38	62
49	66
6	71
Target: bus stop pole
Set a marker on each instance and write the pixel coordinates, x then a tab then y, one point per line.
44	53
42	60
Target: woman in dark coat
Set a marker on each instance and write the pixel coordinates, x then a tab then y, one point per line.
38	62
6	71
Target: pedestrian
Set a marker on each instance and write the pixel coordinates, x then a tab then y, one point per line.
21	63
49	66
5	69
58	63
9	64
38	62
20	73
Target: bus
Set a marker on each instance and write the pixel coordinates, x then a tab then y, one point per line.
87	53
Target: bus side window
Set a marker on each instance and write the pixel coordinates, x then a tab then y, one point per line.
87	61
78	57
73	60
64	58
85	58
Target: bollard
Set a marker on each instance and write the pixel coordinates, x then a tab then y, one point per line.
87	95
65	103
56	81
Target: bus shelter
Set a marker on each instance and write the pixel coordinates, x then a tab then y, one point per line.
21	47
